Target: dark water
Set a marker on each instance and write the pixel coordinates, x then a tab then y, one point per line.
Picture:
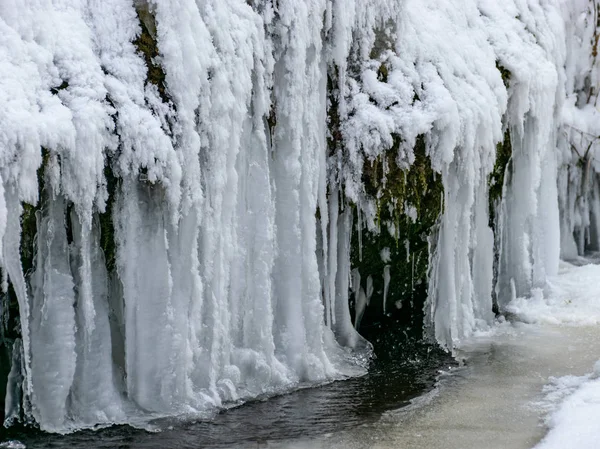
403	370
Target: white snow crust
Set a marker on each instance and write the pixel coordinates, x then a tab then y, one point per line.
570	298
575	421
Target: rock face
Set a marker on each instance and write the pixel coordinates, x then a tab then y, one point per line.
201	201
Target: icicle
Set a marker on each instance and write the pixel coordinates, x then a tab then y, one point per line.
386	285
344	330
359	229
335	243
12	266
227	286
370	289
53	327
93	396
144	271
14	387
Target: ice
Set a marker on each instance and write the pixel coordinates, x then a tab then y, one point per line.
573	424
12	444
572	402
569	298
94	394
386	285
53	326
578	137
385	255
227	182
14	385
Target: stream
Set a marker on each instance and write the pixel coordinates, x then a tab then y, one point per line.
490	399
491	402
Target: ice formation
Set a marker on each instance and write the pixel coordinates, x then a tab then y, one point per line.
231	211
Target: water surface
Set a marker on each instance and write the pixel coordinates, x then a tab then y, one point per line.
403	370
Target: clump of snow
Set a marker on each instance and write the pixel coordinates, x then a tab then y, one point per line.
574	423
385	255
411	212
572	297
556	391
12	444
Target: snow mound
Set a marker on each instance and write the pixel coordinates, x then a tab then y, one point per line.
574	424
571	298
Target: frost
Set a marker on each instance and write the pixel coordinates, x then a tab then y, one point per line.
226	195
385	255
411	212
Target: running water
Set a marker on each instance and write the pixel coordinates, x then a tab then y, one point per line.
509	385
494	401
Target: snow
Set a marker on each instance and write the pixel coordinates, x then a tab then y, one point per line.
575	421
570	298
233	213
572	403
577	142
12	444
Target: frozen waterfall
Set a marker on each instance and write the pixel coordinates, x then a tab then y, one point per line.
193	171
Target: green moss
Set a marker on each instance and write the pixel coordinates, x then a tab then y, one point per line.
382	73
496	178
503	155
28	233
107	229
417	187
272	120
384	40
505	73
334	135
148	49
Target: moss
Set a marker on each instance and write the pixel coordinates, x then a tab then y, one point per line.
384	40
148	49
334	134
416	187
272	120
496	186
395	188
496	178
28	233
505	73
503	155
29	220
107	229
382	73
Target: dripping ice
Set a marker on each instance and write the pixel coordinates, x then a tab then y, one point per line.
226	283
